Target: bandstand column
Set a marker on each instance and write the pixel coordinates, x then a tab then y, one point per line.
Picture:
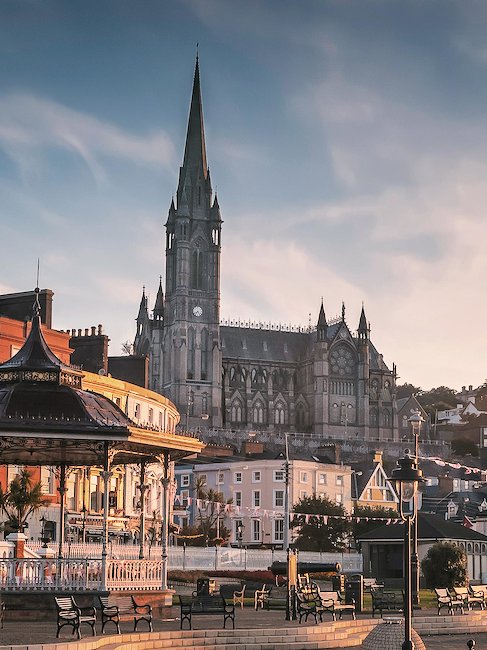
62	506
165	528
142	487
106	475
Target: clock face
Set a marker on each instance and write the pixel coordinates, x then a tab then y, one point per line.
197	311
342	361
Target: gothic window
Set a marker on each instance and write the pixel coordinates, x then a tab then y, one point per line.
197	269
191	353
300	416
204	354
280	413
374	389
204	404
386	416
258	413
236	411
342	361
374	417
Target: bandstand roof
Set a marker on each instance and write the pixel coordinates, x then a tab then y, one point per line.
46	418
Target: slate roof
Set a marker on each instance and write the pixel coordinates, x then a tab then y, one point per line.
248	343
430	527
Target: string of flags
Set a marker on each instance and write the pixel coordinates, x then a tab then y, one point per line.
255	511
444	463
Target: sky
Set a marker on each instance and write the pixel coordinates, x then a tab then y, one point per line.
347	141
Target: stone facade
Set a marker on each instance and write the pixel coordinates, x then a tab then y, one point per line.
328	379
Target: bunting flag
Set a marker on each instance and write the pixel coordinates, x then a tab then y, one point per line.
256	511
456	465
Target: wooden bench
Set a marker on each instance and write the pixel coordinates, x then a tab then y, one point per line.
332	602
123	608
469	599
388	601
206	605
231	592
479	591
445	599
308	603
68	613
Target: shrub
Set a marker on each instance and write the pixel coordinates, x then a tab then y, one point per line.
445	565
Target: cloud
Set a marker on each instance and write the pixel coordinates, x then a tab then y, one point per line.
31	127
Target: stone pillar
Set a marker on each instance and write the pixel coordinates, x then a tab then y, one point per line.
18	540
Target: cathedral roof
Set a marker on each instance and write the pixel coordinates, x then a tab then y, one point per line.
265	345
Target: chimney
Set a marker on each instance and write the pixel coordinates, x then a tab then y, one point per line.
377	457
253	447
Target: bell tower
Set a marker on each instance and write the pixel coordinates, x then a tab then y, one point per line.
192	360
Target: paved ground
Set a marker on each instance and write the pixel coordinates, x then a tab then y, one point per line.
30	633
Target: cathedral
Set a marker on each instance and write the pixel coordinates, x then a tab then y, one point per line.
328	379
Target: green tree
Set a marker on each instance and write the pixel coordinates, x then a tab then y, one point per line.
406	390
22	498
445	565
369	519
315	534
437	399
211	515
464	446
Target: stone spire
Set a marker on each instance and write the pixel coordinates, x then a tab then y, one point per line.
322	325
363	329
159	304
194	161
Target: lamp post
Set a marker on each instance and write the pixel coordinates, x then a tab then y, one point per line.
286	496
416	421
407	476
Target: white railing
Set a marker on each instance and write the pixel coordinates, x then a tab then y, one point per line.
34	574
214	558
134	574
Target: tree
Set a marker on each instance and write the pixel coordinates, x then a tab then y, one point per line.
127	348
210	516
445	565
406	390
463	446
20	500
438	399
315	534
370	518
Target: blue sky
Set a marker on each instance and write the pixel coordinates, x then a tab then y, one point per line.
347	141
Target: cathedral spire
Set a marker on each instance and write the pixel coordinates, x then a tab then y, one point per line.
143	307
322	325
159	304
194	161
363	329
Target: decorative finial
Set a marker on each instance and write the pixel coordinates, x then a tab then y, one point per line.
343	311
37	304
197	51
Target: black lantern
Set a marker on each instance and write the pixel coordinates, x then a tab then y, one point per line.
407	477
45	537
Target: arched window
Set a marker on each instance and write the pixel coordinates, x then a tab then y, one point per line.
197	269
191	352
374	417
387	417
204	354
258	413
236	411
280	413
300	416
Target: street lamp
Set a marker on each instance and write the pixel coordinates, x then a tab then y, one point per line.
286	496
416	421
407	476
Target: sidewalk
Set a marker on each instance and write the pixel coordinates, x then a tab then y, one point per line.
28	634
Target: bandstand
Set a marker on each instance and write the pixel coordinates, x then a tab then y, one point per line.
47	419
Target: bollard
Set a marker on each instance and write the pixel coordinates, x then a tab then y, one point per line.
470	644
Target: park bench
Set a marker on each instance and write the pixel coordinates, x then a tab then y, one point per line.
259	592
231	592
445	599
480	591
206	605
308	603
68	613
332	602
123	608
469	599
389	601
